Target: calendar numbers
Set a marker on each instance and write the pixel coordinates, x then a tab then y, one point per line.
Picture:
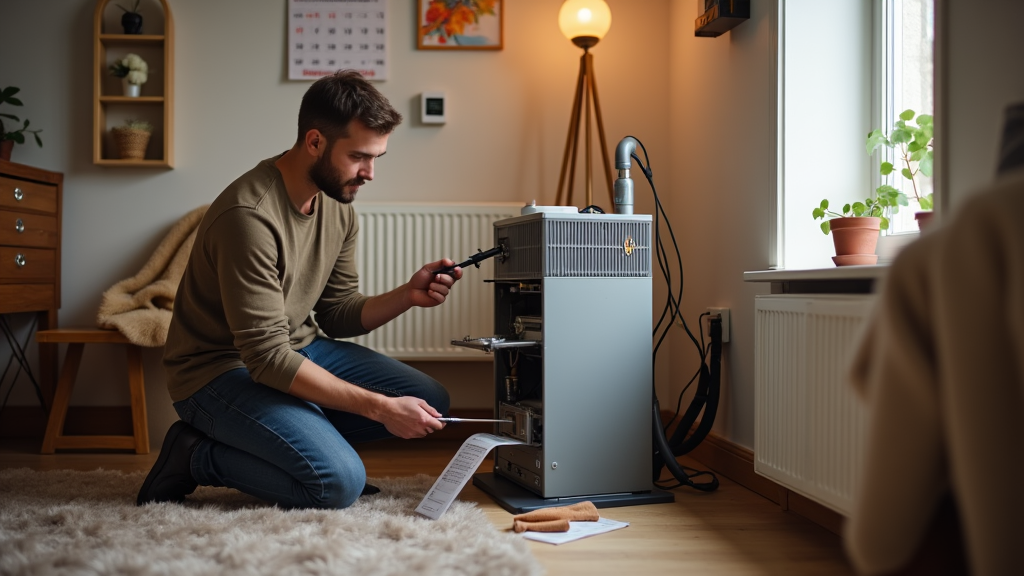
328	35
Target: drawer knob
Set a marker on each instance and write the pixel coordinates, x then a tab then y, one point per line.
19	259
18	194
19	225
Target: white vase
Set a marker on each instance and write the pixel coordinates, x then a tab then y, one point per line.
131	90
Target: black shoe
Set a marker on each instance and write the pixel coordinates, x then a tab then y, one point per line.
171	480
369	489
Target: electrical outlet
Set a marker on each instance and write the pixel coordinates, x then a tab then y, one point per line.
724	312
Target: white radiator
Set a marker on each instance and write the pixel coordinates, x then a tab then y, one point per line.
809	425
395	240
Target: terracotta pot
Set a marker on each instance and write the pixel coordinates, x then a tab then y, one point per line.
855	236
924	219
6	146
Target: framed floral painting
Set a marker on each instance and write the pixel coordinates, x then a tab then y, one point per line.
460	24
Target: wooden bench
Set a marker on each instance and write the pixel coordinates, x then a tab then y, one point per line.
76	339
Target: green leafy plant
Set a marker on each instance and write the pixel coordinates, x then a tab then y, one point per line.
883	205
912	139
7	97
134	10
133	124
913	144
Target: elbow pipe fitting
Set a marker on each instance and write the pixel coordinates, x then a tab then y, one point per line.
624	153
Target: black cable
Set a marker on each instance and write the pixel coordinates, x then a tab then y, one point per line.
679	399
706	397
662	255
671	304
703	358
675	301
677	470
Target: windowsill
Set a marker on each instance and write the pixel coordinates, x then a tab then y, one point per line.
837	280
876	272
889	246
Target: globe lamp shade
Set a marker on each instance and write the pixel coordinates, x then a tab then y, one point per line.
584	22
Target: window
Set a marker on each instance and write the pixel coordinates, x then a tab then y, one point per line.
908	36
845	67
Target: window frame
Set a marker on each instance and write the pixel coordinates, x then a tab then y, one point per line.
885	81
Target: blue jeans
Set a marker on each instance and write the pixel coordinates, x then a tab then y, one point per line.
288	451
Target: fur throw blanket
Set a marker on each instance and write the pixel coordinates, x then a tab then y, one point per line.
140	307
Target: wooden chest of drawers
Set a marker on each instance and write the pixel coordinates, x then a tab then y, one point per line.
30	241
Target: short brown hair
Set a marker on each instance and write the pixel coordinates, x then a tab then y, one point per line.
334	101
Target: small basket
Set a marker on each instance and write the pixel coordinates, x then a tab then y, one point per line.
130	143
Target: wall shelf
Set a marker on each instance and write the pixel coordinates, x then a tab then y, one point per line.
133	163
130	100
156	104
131	39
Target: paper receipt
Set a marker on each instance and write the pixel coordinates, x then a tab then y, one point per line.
458	472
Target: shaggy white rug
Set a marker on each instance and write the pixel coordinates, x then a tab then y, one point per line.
68	522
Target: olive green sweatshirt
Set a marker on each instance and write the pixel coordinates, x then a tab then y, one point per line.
257	269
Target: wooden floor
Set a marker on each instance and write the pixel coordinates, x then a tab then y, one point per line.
731	531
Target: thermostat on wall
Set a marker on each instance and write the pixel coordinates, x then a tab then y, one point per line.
432	107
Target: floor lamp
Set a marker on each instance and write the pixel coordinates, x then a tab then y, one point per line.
584	22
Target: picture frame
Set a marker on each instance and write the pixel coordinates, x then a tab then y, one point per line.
460	24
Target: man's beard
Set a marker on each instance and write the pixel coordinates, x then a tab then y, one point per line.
326	177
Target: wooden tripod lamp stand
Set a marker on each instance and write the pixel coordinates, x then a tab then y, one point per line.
584	22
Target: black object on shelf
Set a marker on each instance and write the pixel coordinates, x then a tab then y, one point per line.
720	16
131	20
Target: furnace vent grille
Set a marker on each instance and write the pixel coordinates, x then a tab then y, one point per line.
575	248
525	257
580	248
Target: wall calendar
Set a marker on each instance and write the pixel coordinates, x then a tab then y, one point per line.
325	36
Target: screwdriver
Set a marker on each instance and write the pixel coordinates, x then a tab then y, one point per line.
454	420
475	259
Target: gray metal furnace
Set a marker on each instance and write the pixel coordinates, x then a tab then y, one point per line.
572	360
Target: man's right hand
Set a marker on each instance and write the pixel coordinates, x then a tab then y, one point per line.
404	417
409	417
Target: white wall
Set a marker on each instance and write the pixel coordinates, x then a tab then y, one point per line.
704	108
722	117
722	112
506	129
980	75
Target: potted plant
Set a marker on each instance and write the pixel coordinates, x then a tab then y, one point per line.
9	139
131	20
913	145
132	70
132	138
855	230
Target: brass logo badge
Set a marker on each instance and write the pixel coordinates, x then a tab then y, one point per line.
629	245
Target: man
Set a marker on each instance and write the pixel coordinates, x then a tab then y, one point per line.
268	405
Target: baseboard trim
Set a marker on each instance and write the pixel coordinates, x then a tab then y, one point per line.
737	464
